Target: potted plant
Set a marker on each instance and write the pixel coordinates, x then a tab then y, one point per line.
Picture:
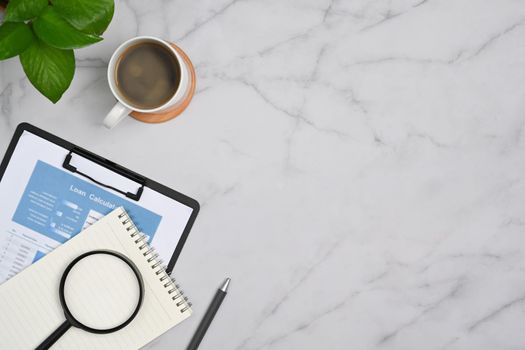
44	33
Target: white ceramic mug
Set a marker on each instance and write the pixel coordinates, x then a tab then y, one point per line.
122	108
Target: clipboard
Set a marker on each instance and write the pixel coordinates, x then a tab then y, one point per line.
84	169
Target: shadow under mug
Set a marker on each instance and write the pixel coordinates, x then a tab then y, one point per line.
166	111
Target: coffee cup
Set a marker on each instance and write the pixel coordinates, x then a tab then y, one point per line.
147	76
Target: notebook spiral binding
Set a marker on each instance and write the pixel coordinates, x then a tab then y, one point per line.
156	263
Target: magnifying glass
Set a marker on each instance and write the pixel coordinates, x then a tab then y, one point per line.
101	292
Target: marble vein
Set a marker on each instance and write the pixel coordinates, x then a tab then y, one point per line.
295	115
454	290
5	101
490	317
495	38
390	15
459	57
308	272
201	23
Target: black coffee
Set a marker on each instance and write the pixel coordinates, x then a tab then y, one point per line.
147	75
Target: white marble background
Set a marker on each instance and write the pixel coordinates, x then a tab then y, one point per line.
360	166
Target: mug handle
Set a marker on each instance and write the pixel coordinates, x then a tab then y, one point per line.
115	116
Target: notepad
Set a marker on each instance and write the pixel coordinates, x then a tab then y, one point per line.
30	307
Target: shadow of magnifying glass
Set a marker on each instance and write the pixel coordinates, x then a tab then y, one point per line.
98	301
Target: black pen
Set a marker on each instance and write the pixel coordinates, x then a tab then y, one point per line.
208	317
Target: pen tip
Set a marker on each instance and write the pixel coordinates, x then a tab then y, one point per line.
226	284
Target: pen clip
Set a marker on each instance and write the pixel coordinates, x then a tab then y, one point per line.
108	165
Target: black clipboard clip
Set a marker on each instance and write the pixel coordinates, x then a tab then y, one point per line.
108	165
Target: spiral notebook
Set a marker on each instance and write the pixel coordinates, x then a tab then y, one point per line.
30	306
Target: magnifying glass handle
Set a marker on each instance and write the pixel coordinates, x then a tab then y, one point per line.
46	344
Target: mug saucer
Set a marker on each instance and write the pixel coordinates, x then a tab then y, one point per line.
174	111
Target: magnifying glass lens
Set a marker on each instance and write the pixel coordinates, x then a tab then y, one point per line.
101	291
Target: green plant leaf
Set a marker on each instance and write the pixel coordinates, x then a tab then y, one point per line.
90	16
14	39
23	10
55	31
49	69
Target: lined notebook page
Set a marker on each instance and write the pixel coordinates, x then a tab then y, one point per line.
29	302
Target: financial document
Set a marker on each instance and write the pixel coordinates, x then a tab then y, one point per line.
59	205
44	205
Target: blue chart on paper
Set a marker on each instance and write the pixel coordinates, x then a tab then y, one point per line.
59	205
38	256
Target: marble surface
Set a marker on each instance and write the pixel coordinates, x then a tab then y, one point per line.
359	163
